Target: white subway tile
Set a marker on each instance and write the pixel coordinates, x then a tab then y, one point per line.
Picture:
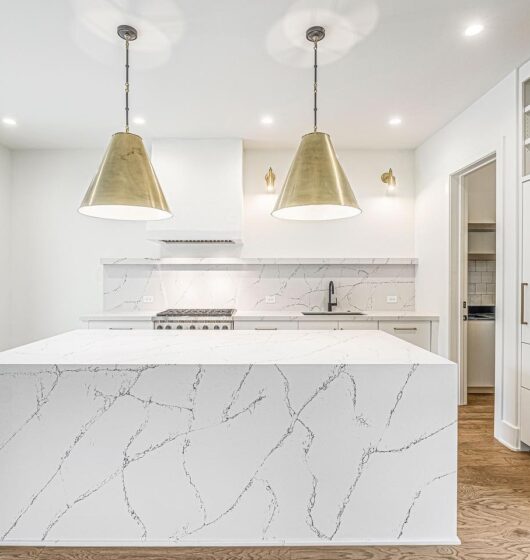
481	288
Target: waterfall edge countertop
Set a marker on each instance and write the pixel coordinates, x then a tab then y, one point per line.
226	347
234	438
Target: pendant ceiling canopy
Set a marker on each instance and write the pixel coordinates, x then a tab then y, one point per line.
316	187
125	186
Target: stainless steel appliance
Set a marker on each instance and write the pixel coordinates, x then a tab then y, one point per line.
194	319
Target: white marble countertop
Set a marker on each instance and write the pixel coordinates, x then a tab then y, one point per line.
278	315
295	347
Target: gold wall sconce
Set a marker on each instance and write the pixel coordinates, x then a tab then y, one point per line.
270	179
390	181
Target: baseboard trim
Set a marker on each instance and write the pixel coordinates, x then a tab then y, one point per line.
481	390
508	435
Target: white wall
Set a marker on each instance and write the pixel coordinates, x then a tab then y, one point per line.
489	125
5	180
384	229
56	250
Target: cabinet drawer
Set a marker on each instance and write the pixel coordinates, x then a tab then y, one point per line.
310	324
358	325
415	332
525	416
265	325
120	325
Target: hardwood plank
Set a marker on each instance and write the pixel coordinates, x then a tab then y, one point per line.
493	513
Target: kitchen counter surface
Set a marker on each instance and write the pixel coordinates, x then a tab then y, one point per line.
278	315
139	347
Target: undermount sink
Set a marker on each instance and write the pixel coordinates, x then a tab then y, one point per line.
332	313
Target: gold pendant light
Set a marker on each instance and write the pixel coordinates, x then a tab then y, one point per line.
316	187
125	186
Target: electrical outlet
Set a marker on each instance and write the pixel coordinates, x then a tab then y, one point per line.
270	299
148	299
391	299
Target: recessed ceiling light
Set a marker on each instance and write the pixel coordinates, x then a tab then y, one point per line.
267	120
9	121
395	121
473	29
139	120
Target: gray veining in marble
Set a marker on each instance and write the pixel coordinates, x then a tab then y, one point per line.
295	287
226	454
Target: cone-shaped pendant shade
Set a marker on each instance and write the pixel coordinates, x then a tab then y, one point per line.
316	187
125	186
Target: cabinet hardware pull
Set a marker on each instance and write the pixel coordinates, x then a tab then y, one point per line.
523	320
266	329
405	328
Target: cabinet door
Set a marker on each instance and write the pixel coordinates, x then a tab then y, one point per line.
525	416
265	325
310	324
481	353
358	325
121	325
525	366
415	332
525	295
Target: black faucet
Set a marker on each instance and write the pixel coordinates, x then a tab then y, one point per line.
331	291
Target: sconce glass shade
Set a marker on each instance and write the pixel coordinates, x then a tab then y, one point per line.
125	186
316	187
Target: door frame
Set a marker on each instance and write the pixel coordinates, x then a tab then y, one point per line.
457	274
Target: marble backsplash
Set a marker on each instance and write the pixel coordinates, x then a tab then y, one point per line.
292	287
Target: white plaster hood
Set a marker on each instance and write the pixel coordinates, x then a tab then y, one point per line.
203	183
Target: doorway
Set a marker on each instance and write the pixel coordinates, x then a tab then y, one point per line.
473	277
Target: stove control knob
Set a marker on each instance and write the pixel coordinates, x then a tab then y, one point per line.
225	327
168	327
192	327
216	328
179	327
159	327
205	327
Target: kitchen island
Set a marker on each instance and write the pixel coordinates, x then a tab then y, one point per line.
227	438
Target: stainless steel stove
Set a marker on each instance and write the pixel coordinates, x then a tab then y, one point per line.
194	319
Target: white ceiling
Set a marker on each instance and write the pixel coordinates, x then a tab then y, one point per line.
213	68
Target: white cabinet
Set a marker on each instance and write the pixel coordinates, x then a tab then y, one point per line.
481	354
358	325
315	325
525	366
525	415
120	325
525	316
415	332
265	325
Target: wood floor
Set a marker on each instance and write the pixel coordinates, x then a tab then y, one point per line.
494	513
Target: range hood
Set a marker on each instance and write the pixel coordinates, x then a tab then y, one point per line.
203	183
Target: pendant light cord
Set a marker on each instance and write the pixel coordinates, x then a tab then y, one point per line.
315	87
126	85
